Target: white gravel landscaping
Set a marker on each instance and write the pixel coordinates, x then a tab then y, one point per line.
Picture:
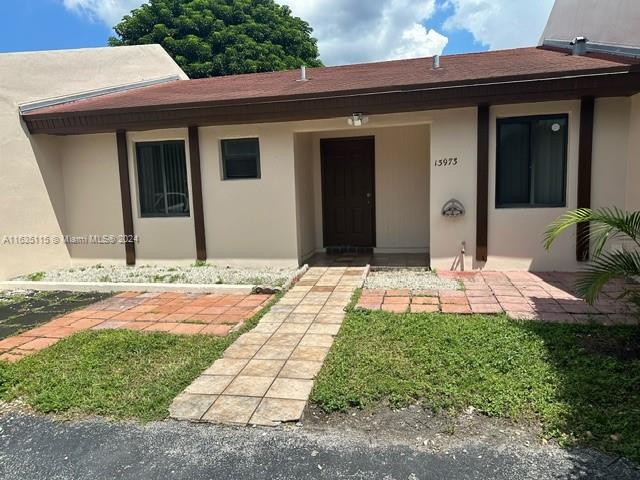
10	296
409	278
193	274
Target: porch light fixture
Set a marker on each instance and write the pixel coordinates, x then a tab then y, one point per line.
357	120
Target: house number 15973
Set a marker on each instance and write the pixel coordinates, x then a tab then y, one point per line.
446	162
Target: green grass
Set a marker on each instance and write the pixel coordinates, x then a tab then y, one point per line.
117	373
36	276
525	371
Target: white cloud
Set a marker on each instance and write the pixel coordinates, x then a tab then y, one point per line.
348	31
352	31
500	23
109	12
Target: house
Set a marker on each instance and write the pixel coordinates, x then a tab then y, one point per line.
466	158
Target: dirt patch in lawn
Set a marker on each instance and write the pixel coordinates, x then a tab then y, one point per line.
618	347
416	425
25	309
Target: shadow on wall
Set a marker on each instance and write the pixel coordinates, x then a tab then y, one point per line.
47	154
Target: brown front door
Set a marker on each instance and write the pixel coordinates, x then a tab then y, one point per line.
348	203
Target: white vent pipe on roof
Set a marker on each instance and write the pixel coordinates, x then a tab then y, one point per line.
303	74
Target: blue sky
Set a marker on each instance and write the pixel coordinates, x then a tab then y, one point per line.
348	31
48	25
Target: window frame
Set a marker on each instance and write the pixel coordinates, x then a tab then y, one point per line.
224	157
166	214
530	119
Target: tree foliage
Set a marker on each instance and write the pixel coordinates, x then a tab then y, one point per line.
222	37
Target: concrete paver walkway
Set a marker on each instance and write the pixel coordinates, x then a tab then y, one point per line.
548	296
179	313
266	376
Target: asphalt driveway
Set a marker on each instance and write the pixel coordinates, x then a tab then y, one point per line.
36	447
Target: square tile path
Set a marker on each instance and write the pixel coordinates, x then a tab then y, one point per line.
521	295
179	313
266	376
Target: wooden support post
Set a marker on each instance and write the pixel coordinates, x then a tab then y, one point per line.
125	196
196	193
482	188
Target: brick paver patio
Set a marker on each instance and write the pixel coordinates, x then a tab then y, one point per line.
521	295
179	313
266	376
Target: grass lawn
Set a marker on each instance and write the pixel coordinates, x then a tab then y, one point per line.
118	373
581	382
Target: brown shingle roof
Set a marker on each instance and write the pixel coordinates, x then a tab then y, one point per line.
485	67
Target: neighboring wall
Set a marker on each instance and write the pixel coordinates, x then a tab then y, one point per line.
614	22
31	178
91	195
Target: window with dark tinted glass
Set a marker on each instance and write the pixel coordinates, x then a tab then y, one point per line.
240	158
162	179
531	161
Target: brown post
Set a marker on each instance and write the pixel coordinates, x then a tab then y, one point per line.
196	191
585	150
482	188
125	196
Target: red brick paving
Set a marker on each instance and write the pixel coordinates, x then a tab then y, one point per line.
183	314
521	295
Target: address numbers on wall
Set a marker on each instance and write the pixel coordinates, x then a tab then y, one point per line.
446	162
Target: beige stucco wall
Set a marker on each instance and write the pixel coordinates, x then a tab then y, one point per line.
453	135
515	234
632	200
31	177
277	219
610	152
161	238
251	220
92	195
305	195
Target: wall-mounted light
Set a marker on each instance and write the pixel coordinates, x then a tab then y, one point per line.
357	120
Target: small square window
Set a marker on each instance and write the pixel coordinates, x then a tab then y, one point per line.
240	158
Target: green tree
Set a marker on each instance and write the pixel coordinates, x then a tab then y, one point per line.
605	224
222	37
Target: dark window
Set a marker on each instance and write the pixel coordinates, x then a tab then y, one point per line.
531	163
240	158
162	179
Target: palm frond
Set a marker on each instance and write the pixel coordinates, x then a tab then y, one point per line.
604	268
606	224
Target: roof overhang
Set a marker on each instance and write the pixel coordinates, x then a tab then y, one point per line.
619	82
